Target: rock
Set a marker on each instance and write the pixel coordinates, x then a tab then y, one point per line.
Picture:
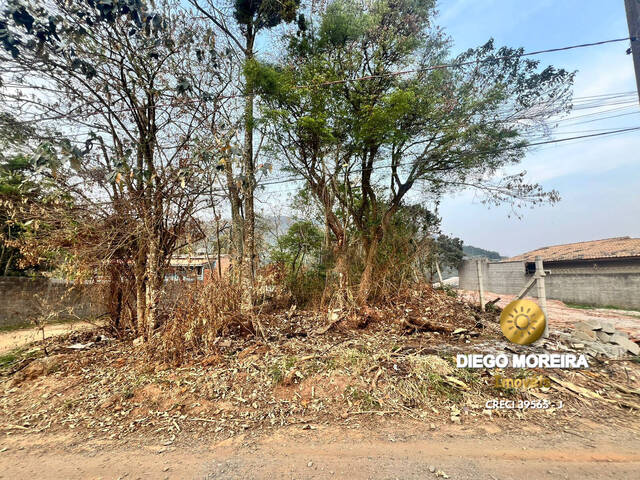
583	336
37	368
627	344
603	337
432	469
595	348
607	327
310	464
618	334
458	331
590	324
614	351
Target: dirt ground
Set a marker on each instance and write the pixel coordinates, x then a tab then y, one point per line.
563	317
18	338
373	396
389	451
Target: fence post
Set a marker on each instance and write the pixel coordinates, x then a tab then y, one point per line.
480	285
542	294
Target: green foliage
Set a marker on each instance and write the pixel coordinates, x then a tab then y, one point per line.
363	144
472	251
301	251
265	13
449	251
32	27
301	245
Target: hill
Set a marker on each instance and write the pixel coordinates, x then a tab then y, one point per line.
471	251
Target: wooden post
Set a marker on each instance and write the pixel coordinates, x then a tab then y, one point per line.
480	285
542	294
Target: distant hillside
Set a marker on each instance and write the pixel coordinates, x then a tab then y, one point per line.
471	251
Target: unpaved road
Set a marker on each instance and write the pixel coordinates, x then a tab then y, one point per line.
336	453
18	338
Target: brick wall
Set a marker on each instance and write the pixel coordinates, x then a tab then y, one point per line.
605	283
22	299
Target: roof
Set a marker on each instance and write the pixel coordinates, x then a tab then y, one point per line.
606	248
194	260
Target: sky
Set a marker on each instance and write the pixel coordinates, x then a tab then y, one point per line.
598	179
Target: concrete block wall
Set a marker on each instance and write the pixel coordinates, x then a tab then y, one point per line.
498	277
620	290
605	284
23	298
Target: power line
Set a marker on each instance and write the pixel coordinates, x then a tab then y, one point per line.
402	72
582	122
499	150
479	62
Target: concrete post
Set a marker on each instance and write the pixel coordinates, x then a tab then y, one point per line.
480	284
542	294
439	274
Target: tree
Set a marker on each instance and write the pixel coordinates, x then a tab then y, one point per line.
363	134
301	244
252	17
108	76
18	184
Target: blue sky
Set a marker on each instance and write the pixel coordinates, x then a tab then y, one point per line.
598	179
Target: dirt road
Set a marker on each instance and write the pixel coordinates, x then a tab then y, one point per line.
17	338
335	453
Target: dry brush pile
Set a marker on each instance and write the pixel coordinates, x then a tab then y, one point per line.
394	359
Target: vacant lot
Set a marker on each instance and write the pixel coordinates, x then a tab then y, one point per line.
368	393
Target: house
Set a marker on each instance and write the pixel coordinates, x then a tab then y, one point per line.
197	267
599	272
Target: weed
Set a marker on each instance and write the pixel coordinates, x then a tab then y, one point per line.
365	399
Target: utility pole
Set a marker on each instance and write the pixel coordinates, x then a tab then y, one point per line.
633	19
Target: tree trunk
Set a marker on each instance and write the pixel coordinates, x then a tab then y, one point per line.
140	274
341	272
248	251
237	229
366	281
153	287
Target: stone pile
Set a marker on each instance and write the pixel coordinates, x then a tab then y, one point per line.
601	338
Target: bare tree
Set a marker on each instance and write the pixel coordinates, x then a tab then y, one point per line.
109	77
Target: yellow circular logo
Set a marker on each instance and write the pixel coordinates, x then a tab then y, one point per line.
522	322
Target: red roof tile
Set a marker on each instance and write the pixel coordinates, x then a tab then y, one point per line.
607	248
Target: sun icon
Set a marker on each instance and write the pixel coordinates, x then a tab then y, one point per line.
522	322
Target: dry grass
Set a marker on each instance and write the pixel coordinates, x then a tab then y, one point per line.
199	318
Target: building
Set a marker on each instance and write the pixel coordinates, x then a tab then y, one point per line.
197	267
599	273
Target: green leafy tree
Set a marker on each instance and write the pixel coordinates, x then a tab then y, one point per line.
302	243
364	135
301	251
449	251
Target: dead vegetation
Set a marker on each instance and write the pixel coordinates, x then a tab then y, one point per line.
394	359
